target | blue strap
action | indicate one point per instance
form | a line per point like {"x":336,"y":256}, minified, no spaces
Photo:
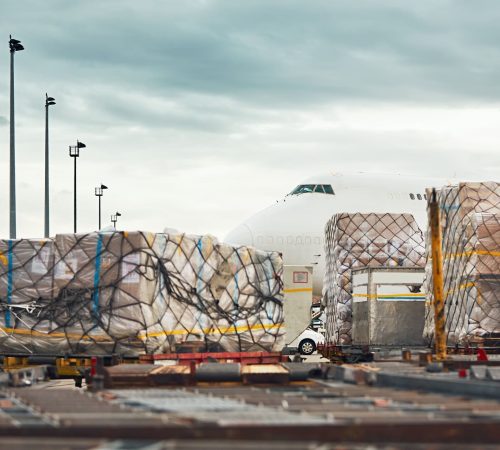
{"x":10,"y":279}
{"x":97,"y":274}
{"x":236,"y":290}
{"x":199,"y":284}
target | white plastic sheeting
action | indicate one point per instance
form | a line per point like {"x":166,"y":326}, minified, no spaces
{"x":470,"y":223}
{"x":136,"y":292}
{"x":363,"y":240}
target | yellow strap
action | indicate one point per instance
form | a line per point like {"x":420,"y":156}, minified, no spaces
{"x":421,"y":295}
{"x":472,"y":252}
{"x":141,"y":335}
{"x":225,"y":330}
{"x":288,"y":291}
{"x":27,"y":332}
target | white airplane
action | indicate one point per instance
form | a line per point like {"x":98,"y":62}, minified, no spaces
{"x":295,"y":225}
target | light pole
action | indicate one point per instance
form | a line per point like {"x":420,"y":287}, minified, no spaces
{"x":99,"y":191}
{"x":49,"y":101}
{"x":74,"y":152}
{"x":14,"y":46}
{"x":114,"y":218}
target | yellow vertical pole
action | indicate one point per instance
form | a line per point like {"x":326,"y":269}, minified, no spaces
{"x":437,"y":278}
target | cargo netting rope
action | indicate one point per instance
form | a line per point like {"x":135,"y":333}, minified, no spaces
{"x":363,"y":240}
{"x":470,"y":224}
{"x":137,"y":292}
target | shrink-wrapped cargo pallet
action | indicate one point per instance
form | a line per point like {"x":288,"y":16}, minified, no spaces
{"x":363,"y":240}
{"x":470,"y":224}
{"x":225,"y":295}
{"x":26,"y":282}
{"x":136,"y":292}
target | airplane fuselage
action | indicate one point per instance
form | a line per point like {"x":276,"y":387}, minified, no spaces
{"x":295,"y":225}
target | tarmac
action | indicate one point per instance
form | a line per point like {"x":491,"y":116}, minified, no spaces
{"x":379,"y":405}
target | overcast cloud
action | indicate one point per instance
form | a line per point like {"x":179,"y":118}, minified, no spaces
{"x":197,"y":113}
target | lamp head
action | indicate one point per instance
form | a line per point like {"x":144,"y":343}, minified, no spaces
{"x":15,"y":45}
{"x":49,"y":100}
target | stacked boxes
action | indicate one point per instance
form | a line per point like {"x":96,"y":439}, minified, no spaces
{"x":228,"y":296}
{"x":470,"y":223}
{"x":136,"y":292}
{"x":363,"y":240}
{"x":110,"y":291}
{"x":24,"y":265}
{"x":26,"y":283}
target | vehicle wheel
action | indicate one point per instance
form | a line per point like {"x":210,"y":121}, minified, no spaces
{"x":307,"y":347}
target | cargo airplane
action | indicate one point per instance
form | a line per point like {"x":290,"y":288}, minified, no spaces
{"x":295,"y":224}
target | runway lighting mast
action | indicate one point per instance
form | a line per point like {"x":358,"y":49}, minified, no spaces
{"x":74,"y":152}
{"x":14,"y":46}
{"x":49,"y":101}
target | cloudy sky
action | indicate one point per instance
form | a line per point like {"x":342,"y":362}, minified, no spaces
{"x":197,"y":113}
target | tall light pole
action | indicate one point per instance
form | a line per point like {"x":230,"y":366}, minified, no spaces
{"x":14,"y":46}
{"x":99,"y":191}
{"x":74,"y":152}
{"x":48,"y":102}
{"x":114,"y":218}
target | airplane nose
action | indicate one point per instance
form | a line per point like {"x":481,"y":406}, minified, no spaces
{"x":241,"y":235}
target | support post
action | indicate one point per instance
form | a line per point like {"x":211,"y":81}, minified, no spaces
{"x":74,"y":198}
{"x":47,"y":206}
{"x":12,"y":205}
{"x":437,"y":278}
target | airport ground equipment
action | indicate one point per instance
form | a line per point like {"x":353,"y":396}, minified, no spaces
{"x":388,"y":306}
{"x":297,"y":300}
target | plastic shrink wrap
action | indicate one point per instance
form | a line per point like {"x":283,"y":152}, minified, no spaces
{"x":136,"y":292}
{"x":363,"y":240}
{"x":470,"y":224}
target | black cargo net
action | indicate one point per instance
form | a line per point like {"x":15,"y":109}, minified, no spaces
{"x":363,"y":240}
{"x":470,"y":224}
{"x":137,"y":292}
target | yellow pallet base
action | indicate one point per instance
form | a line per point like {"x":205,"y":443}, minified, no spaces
{"x":64,"y":367}
{"x":72,"y":367}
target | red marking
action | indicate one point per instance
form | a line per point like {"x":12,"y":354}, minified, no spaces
{"x":93,"y":366}
{"x":223,"y":357}
{"x":462,"y":373}
{"x":482,"y":355}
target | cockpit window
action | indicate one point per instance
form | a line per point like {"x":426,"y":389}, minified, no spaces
{"x":317,"y":188}
{"x":303,"y":189}
{"x":328,"y":189}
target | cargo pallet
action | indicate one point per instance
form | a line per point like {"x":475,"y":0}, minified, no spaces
{"x":457,"y":358}
{"x":222,"y":357}
{"x":76,"y":366}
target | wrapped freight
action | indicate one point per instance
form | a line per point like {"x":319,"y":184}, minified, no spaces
{"x":26,"y":282}
{"x":470,"y":224}
{"x":363,"y":240}
{"x":136,"y":292}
